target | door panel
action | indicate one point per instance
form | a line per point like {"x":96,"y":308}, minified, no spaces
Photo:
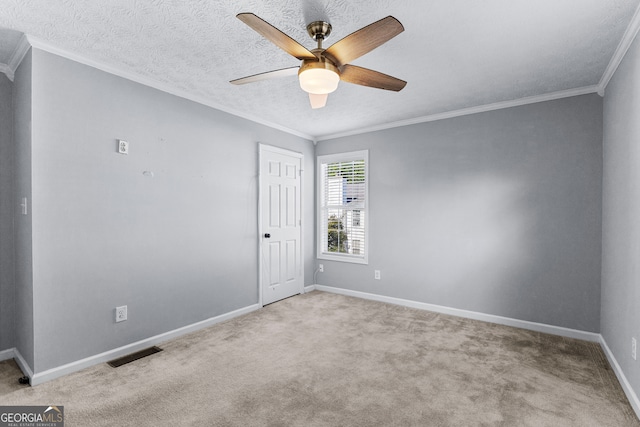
{"x":274,"y":206}
{"x":292,"y":217}
{"x":292,"y":262}
{"x":281,"y":227}
{"x":274,"y":168}
{"x":274,"y":263}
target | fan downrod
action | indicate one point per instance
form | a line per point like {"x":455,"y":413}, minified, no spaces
{"x":319,"y":30}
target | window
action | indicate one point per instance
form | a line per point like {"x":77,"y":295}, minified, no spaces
{"x":342,"y":203}
{"x":356,"y":218}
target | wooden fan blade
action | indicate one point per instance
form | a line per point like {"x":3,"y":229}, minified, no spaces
{"x":365,"y":77}
{"x":318,"y":101}
{"x":292,"y":71}
{"x":276,"y":36}
{"x":364,"y":40}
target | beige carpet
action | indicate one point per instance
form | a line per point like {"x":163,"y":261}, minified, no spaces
{"x":327,"y":360}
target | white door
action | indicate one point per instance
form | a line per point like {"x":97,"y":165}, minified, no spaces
{"x":280,"y":224}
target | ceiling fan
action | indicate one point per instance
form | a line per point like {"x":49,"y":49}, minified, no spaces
{"x":322,"y":69}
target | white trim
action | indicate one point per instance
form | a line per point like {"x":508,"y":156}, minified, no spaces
{"x":283,"y":151}
{"x":352,"y":259}
{"x":22,"y":364}
{"x":523,"y":324}
{"x":260,"y":225}
{"x":342,"y":157}
{"x":300,"y":156}
{"x":7,"y":354}
{"x":467,"y":111}
{"x":164,"y":87}
{"x":13,"y":353}
{"x":4,"y":68}
{"x":309,"y":288}
{"x":302,"y":223}
{"x":43,"y":45}
{"x":624,"y":45}
{"x":78,"y":365}
{"x":628,"y":390}
{"x":19,"y":53}
{"x":16,"y":58}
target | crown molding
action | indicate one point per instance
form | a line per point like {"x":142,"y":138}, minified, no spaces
{"x":624,"y":45}
{"x":19,"y":53}
{"x":626,"y":41}
{"x":467,"y":111}
{"x":16,"y":58}
{"x":4,"y":68}
{"x":150,"y":82}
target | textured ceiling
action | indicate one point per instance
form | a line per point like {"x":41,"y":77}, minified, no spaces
{"x":454,"y":54}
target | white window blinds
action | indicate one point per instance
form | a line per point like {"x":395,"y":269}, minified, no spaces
{"x":342,"y":191}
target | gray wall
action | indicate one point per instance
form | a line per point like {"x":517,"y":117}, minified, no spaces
{"x":23,"y":273}
{"x":620,"y":212}
{"x":498,"y":213}
{"x":7,"y":290}
{"x":177,"y":248}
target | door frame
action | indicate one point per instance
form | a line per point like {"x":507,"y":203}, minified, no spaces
{"x":262,"y":148}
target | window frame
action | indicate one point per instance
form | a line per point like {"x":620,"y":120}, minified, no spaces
{"x":320,"y":227}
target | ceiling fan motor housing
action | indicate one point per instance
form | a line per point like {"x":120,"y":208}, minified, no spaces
{"x":319,"y":30}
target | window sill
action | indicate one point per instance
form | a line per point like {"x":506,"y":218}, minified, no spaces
{"x":344,"y":258}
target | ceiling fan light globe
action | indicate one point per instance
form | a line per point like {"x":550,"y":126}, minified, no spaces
{"x":319,"y":81}
{"x":318,"y":77}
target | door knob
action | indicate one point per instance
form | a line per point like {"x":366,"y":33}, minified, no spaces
{"x":267,"y":235}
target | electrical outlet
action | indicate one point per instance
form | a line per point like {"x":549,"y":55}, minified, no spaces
{"x":633,"y":348}
{"x":321,"y":268}
{"x":376,"y":274}
{"x":123,"y":147}
{"x":121,"y":313}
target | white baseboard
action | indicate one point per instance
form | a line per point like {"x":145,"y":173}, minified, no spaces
{"x":14,"y":354}
{"x":7,"y":354}
{"x":22,"y":364}
{"x":631,"y":394}
{"x":78,"y":365}
{"x":523,"y":324}
{"x":50,"y":374}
